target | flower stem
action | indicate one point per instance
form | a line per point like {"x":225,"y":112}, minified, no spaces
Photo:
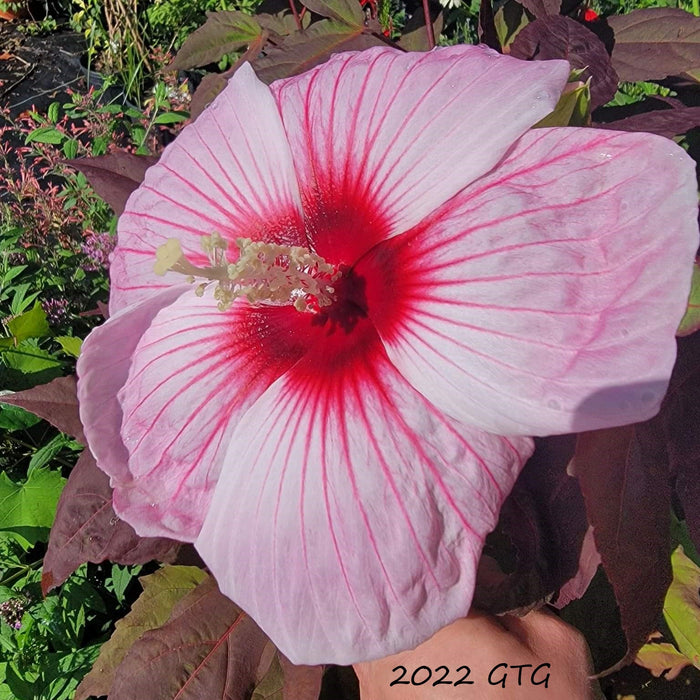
{"x":429,"y":24}
{"x":297,"y":19}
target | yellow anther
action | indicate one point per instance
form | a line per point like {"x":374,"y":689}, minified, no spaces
{"x":167,"y":256}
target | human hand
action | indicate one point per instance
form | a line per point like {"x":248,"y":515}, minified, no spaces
{"x":554,"y":657}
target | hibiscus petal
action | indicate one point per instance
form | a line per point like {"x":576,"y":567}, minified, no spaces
{"x":195,"y":372}
{"x":364,"y":131}
{"x":103,"y":366}
{"x":351,"y":514}
{"x":230,"y":172}
{"x":544,"y":298}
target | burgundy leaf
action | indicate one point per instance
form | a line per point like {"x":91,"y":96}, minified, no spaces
{"x":681,"y":416}
{"x":300,"y":682}
{"x":209,"y":649}
{"x":588,"y":564}
{"x":654,"y":43}
{"x":86,"y":529}
{"x":348,"y":11}
{"x":665,"y":122}
{"x":222,"y":33}
{"x":415,"y":36}
{"x":114,"y":176}
{"x":55,"y":402}
{"x":213,"y":83}
{"x":487,"y":26}
{"x":562,"y":37}
{"x":541,"y":8}
{"x":281,"y":24}
{"x":304,"y":50}
{"x":152,"y":609}
{"x":545,"y":521}
{"x":625,"y":484}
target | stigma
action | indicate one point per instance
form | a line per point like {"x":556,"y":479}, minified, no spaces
{"x":263,"y":273}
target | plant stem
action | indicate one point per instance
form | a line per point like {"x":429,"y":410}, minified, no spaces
{"x":25,"y":568}
{"x":696,"y":8}
{"x":297,"y":19}
{"x":429,"y":24}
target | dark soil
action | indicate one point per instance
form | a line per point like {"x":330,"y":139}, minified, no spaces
{"x":37,"y":70}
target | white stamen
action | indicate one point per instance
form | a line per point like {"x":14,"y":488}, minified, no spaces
{"x":265,"y":273}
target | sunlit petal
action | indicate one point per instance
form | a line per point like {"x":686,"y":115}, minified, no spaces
{"x":400,"y":133}
{"x":230,"y":172}
{"x":350,"y":514}
{"x":545,"y":297}
{"x":103,"y":366}
{"x":196,"y":370}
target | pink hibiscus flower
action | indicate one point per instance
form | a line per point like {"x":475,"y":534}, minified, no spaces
{"x":411,"y":274}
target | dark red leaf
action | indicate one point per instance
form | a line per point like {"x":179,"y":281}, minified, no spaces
{"x":55,"y":402}
{"x":209,"y":649}
{"x":222,"y":33}
{"x":304,"y":50}
{"x":665,"y":122}
{"x":281,"y":24}
{"x":348,"y":11}
{"x":654,"y":43}
{"x":114,"y":176}
{"x":86,"y":529}
{"x":588,"y":564}
{"x":415,"y":36}
{"x":213,"y":83}
{"x":562,"y":37}
{"x":681,"y":417}
{"x":541,"y":8}
{"x":487,"y":26}
{"x":544,"y":519}
{"x":624,"y":480}
{"x":300,"y":682}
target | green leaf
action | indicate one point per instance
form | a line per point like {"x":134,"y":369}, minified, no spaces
{"x":682,"y":605}
{"x":70,"y":344}
{"x":510,"y":18}
{"x":170,"y":118}
{"x":30,"y":324}
{"x":28,"y":359}
{"x":21,"y":300}
{"x":222,"y":33}
{"x":348,"y":11}
{"x":573,"y":108}
{"x":27,"y":510}
{"x":12,"y":273}
{"x":271,"y":686}
{"x":60,"y":673}
{"x":52,"y":112}
{"x":161,"y":591}
{"x":662,"y":658}
{"x":70,"y":149}
{"x":43,"y":456}
{"x":16,"y":418}
{"x":304,"y":50}
{"x":691,"y":321}
{"x":45,"y":134}
{"x":120,"y":579}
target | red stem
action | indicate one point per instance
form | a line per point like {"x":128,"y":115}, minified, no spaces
{"x":429,"y":25}
{"x":297,"y":19}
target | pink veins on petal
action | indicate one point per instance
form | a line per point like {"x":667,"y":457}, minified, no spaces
{"x":339,"y":459}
